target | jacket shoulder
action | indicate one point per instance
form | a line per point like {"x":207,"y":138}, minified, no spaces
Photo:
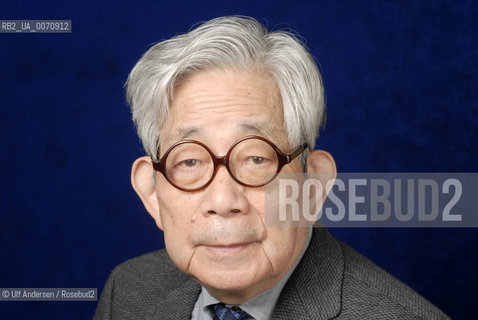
{"x":372,"y":293}
{"x":137,"y":286}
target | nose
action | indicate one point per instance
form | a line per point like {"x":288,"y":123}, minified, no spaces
{"x":224,"y":196}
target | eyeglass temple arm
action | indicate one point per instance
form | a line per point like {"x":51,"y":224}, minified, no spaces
{"x":294,"y":154}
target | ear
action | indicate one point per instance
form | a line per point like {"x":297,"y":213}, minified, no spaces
{"x":321,"y":164}
{"x":142,"y":174}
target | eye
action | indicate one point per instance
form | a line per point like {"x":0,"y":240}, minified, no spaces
{"x":189,"y":163}
{"x":257,"y":160}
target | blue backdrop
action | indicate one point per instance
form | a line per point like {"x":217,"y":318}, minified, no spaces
{"x":401,"y":83}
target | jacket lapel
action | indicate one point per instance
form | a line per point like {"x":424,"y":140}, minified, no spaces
{"x":314,"y":289}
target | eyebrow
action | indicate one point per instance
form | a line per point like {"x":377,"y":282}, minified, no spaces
{"x":261,"y":128}
{"x":183,"y":133}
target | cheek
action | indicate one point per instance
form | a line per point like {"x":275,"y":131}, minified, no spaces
{"x":280,"y":243}
{"x":177,"y":218}
{"x":256,"y":200}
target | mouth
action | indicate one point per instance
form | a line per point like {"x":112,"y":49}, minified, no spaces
{"x":228,"y":249}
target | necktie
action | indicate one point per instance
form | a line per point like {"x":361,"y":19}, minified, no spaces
{"x":221,"y":312}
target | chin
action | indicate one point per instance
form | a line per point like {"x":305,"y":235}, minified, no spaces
{"x":230,"y":278}
{"x":231,"y":281}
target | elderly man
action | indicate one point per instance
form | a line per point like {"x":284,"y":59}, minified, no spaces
{"x":220,"y":110}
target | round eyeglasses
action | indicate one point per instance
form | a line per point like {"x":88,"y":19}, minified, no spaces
{"x":252,"y":161}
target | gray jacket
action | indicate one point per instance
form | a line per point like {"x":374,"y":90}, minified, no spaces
{"x":331,"y":282}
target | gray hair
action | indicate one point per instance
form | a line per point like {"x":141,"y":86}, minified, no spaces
{"x":227,"y":42}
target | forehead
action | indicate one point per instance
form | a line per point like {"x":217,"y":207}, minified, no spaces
{"x":224,"y":103}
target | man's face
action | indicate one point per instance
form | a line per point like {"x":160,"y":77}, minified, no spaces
{"x":218,"y":234}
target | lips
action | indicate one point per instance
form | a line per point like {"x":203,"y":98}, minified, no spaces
{"x":228,"y":249}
